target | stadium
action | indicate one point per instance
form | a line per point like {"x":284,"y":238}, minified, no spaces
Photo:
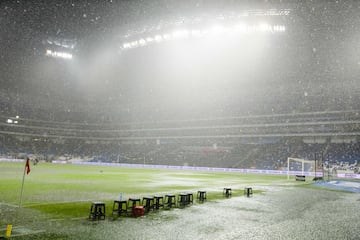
{"x":131,"y":99}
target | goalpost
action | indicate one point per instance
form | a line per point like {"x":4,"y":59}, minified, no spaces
{"x":310,"y":170}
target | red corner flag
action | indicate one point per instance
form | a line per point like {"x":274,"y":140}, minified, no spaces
{"x":27,"y":170}
{"x":27,"y":166}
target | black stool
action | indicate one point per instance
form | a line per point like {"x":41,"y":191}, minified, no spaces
{"x":227,"y":192}
{"x":248,"y":191}
{"x":132,"y":203}
{"x":201,"y":196}
{"x":158,"y":202}
{"x":119,"y":207}
{"x":190,"y":198}
{"x":148,"y":203}
{"x":170,"y":200}
{"x":97,"y":211}
{"x":182,"y":200}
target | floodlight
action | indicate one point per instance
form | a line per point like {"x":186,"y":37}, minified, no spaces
{"x":126,"y":45}
{"x":279,"y":28}
{"x":142,"y":42}
{"x":9,"y":121}
{"x":134,"y":44}
{"x":149,"y":39}
{"x":158,"y":38}
{"x":240,"y":28}
{"x":196,"y":33}
{"x":180,"y":34}
{"x":217,"y":29}
{"x":58,"y":54}
{"x":264,"y":27}
{"x":166,"y":36}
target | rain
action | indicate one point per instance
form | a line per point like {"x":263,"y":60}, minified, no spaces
{"x":188,"y":88}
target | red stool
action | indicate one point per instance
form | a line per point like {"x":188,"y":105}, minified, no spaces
{"x":138,"y":211}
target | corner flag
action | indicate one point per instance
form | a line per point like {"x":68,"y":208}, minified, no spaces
{"x":27,"y":171}
{"x":27,"y":166}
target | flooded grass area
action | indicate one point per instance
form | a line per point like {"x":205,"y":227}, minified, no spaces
{"x":277,"y":210}
{"x":348,"y":186}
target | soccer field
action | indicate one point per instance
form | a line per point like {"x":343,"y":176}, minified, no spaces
{"x":56,"y":199}
{"x":54,"y":184}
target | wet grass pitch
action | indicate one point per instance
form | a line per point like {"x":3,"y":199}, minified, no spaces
{"x":57,"y":198}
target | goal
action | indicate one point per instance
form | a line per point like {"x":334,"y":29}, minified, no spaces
{"x":299,"y":166}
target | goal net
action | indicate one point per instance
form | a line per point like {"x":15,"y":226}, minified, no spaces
{"x":303,"y":167}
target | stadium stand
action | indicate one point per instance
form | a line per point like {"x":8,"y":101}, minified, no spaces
{"x":254,"y":130}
